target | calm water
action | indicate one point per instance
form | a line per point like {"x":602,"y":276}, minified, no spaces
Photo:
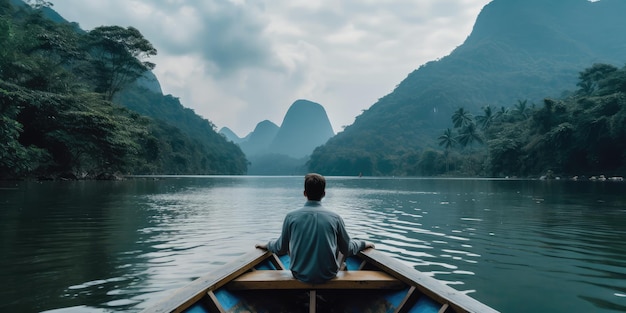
{"x":519,"y":246}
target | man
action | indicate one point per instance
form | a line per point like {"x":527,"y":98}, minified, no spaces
{"x":313,"y":236}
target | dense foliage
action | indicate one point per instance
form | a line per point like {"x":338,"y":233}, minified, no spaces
{"x":517,"y":50}
{"x":204,"y":151}
{"x":580,"y":135}
{"x":583,"y":134}
{"x":56,"y":119}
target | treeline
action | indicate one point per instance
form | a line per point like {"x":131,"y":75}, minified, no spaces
{"x":56,"y":114}
{"x":582,"y":134}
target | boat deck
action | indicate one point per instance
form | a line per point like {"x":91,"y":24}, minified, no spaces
{"x":370,"y":282}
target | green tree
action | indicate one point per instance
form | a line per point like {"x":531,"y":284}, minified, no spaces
{"x":468,"y":135}
{"x":36,"y":52}
{"x":14,"y":157}
{"x":5,"y":8}
{"x":51,"y":123}
{"x":521,"y":109}
{"x":447,"y":140}
{"x":588,"y":80}
{"x":501,"y":114}
{"x":462,"y":118}
{"x":6,"y":44}
{"x":544,"y":118}
{"x":504,"y":154}
{"x":487,"y":118}
{"x":429,"y":164}
{"x":119,"y":57}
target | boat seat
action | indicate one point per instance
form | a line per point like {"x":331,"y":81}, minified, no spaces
{"x":282,"y":279}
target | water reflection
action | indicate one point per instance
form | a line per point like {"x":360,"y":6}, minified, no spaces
{"x":119,"y":246}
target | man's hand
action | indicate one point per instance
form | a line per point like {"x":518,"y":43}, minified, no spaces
{"x":261,"y":246}
{"x":369,"y":245}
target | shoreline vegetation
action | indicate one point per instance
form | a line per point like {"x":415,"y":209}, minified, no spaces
{"x":65,"y":99}
{"x":582,"y":134}
{"x":120,"y":177}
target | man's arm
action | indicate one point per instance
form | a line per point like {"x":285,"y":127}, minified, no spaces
{"x":349,"y":246}
{"x":280,"y":245}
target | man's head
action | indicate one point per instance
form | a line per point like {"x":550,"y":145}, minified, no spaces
{"x":314,"y":186}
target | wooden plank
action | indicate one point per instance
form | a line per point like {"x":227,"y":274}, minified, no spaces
{"x":342,"y":260}
{"x":429,"y":286}
{"x":213,"y":303}
{"x":277,"y":263}
{"x":312,"y":301}
{"x":409,"y":300}
{"x":362,"y":265}
{"x":344,"y":280}
{"x":444,"y":308}
{"x":186,"y":296}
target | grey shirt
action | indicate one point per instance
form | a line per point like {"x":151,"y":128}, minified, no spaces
{"x":313,"y":236}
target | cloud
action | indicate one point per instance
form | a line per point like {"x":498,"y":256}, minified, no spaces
{"x":240,"y":62}
{"x":227,"y":35}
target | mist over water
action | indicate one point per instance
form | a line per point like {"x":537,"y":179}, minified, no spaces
{"x":518,"y":246}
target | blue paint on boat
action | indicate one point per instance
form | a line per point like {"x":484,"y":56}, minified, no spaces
{"x":395,"y":298}
{"x":226,"y":298}
{"x":353,"y":264}
{"x":286,"y":260}
{"x":425,"y":305}
{"x":229,"y":300}
{"x":265,"y":266}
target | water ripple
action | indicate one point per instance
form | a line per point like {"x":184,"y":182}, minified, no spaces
{"x":117,"y":247}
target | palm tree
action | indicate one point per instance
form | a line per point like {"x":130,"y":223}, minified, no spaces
{"x":500,"y":114}
{"x":486,"y":120}
{"x":468,"y":135}
{"x":448,"y":141}
{"x":521,"y":109}
{"x":462,"y":118}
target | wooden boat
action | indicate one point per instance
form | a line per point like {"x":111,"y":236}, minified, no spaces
{"x":370,"y":282}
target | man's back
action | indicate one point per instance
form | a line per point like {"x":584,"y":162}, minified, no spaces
{"x":313,"y":236}
{"x":313,"y":244}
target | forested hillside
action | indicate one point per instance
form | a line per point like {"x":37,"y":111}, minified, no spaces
{"x":517,"y":51}
{"x":56,"y":115}
{"x":582,"y":135}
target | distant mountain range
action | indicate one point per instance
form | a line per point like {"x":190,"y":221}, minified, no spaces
{"x":274,"y":150}
{"x":518,"y":50}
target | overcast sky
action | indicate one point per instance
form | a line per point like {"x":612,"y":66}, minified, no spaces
{"x":239,"y":62}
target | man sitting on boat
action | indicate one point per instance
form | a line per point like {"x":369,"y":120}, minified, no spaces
{"x":314,"y":236}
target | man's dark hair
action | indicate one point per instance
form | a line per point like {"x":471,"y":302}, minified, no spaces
{"x":314,"y":186}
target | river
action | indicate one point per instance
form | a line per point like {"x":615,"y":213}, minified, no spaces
{"x":117,"y":246}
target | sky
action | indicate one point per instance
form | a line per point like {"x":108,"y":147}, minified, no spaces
{"x":239,"y":62}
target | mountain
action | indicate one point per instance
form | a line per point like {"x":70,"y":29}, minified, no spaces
{"x":259,"y":140}
{"x":88,"y":135}
{"x":284,"y":150}
{"x":304,"y":127}
{"x":150,"y":82}
{"x":218,"y":155}
{"x":229,"y":134}
{"x":518,"y":50}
